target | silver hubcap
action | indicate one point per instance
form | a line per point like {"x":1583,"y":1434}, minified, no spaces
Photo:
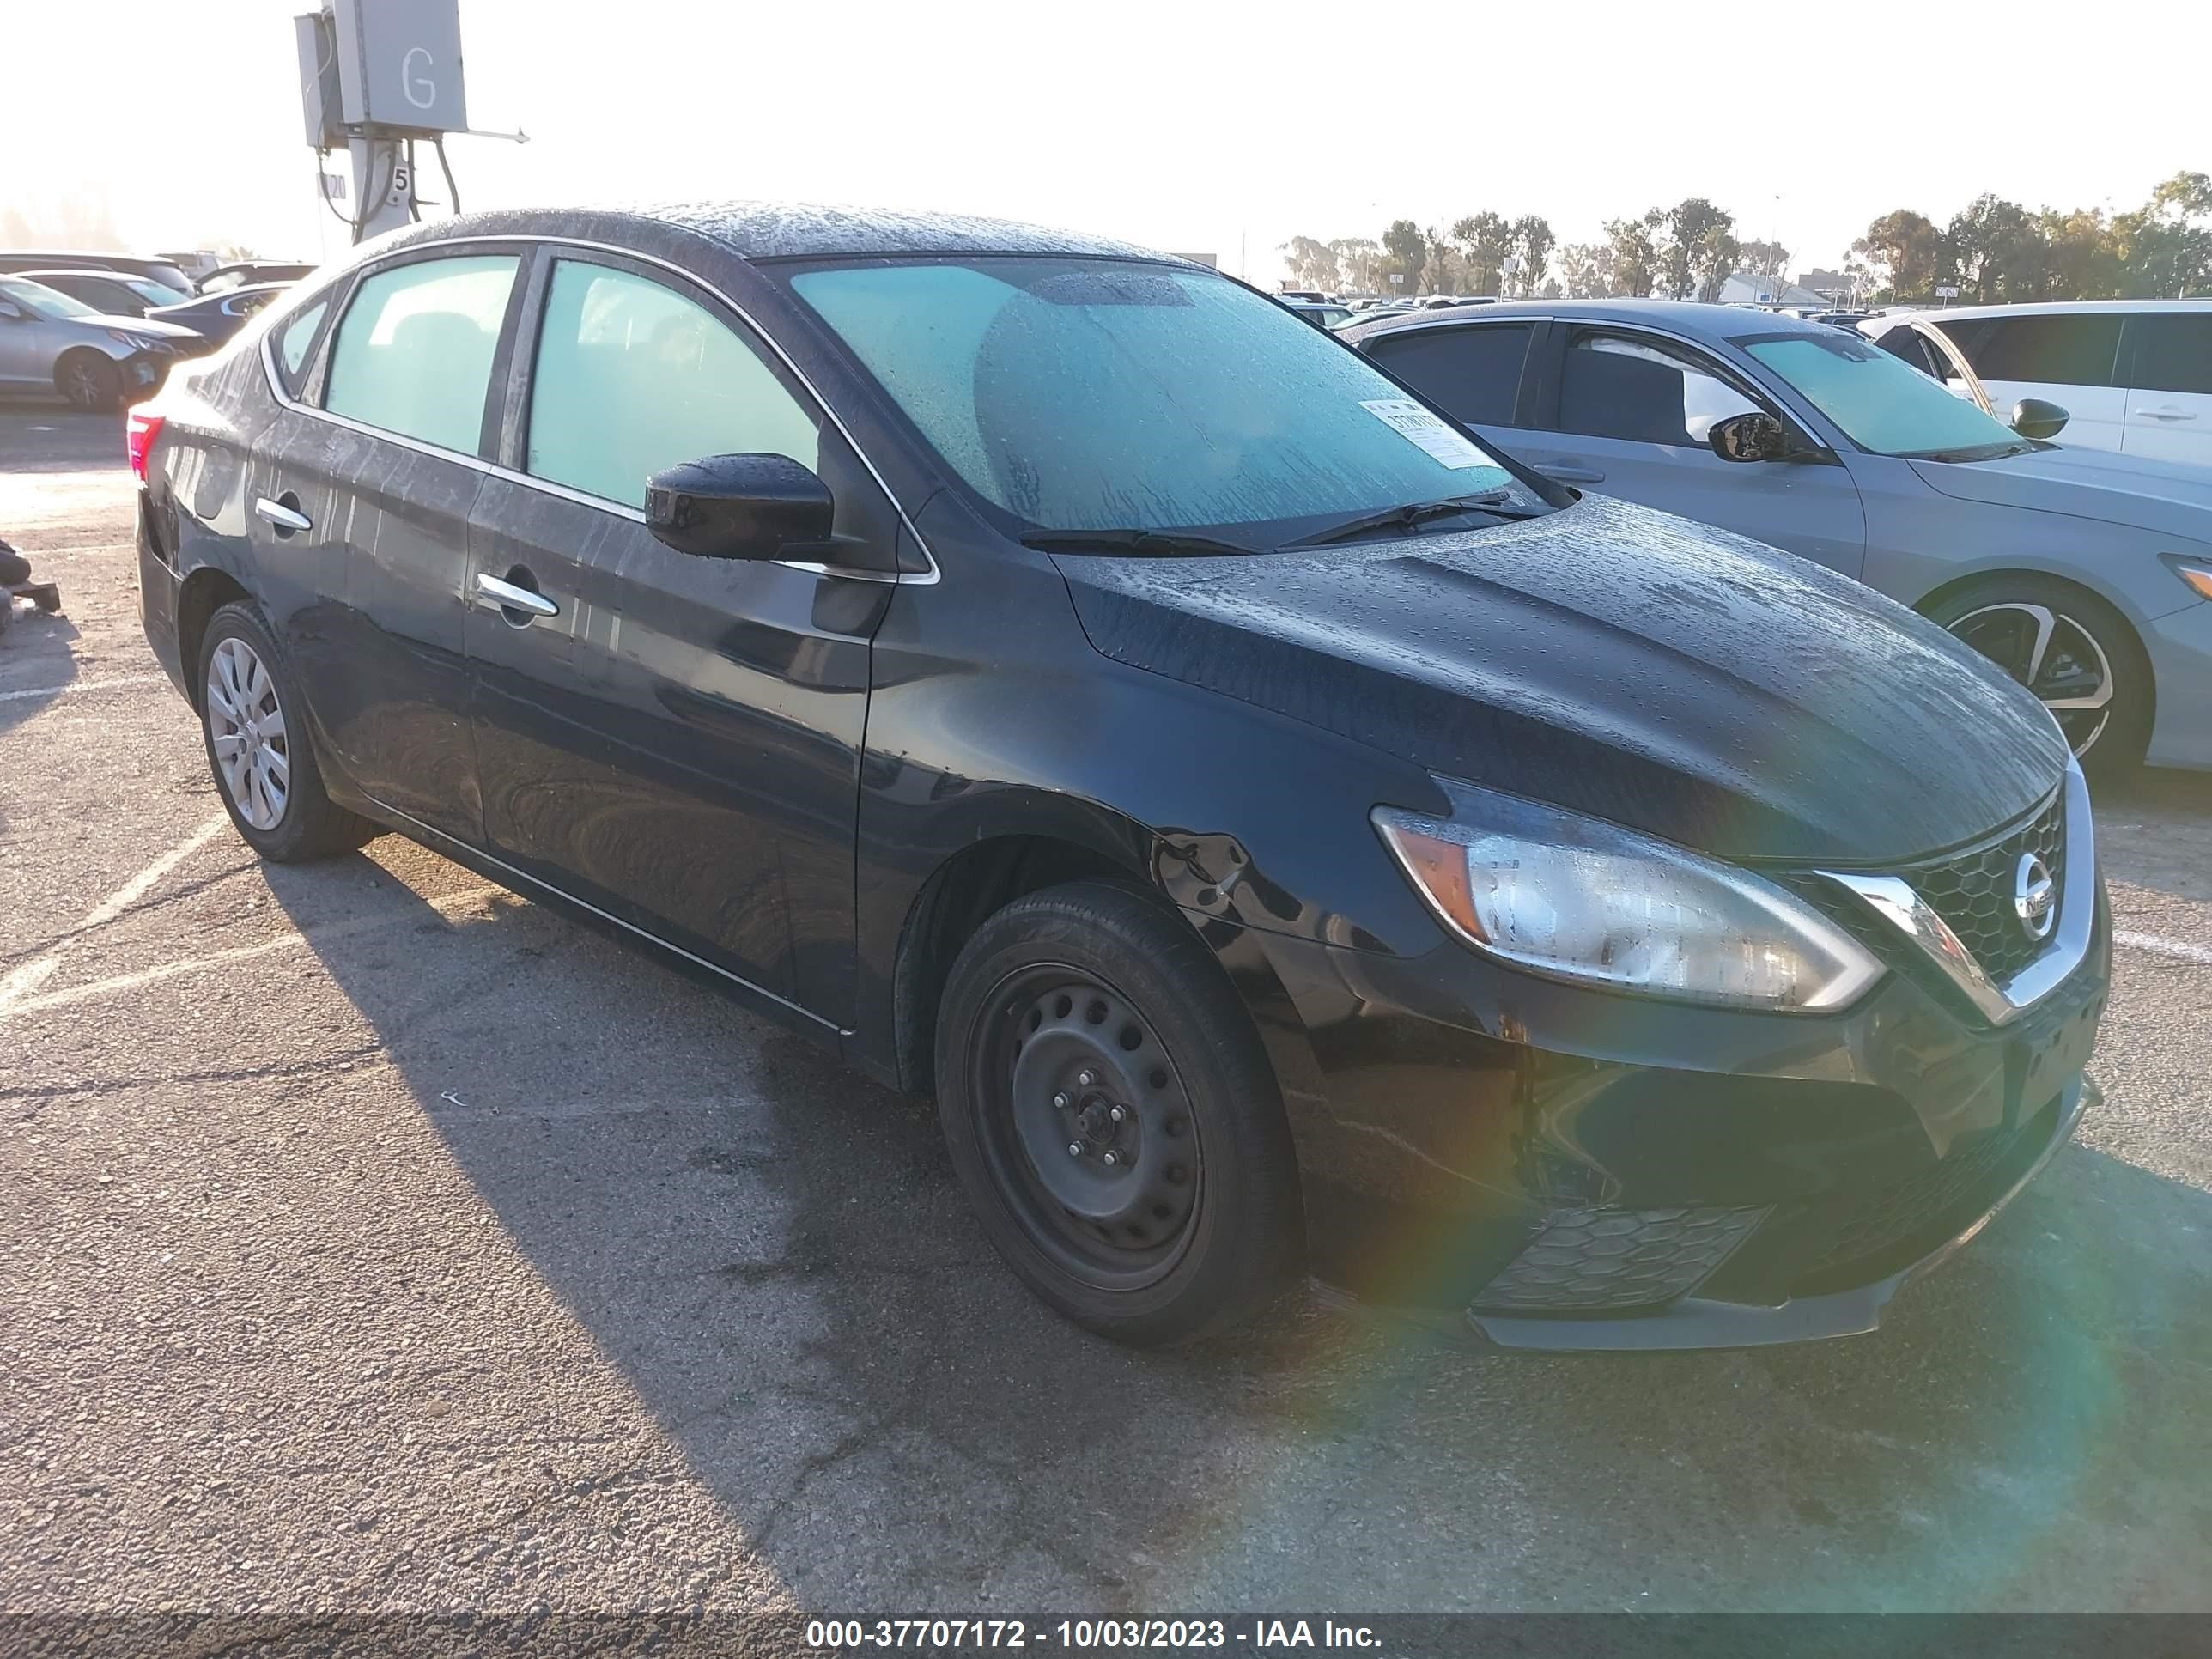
{"x":246,"y":726}
{"x":2052,"y":655}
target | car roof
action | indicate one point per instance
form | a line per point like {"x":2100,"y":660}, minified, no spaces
{"x":224,"y":295}
{"x":76,"y":271}
{"x":74,"y":259}
{"x":784,"y":230}
{"x":2043,"y":308}
{"x":1677,"y":316}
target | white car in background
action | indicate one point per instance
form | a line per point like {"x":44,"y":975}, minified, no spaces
{"x":2135,"y":375}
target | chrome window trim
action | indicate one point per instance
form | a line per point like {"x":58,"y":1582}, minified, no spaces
{"x":492,"y":469}
{"x":1893,"y":899}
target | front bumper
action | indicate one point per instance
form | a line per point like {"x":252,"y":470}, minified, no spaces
{"x":2180,"y":647}
{"x":145,"y":372}
{"x":1570,"y":1168}
{"x":1712,"y":1321}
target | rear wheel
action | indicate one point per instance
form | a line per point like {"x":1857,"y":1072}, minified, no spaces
{"x":90,"y":381}
{"x":1111,"y":1113}
{"x":2074,"y":652}
{"x":256,"y":746}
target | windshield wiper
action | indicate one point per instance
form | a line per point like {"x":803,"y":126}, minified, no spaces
{"x":1158,"y":543}
{"x":1975,"y":454}
{"x":1416,"y":512}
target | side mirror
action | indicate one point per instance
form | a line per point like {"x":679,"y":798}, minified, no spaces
{"x":12,"y":312}
{"x":2033,"y":418}
{"x":1753,"y":435}
{"x":739,"y":507}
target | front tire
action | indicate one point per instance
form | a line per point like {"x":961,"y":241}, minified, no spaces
{"x":254,"y":729}
{"x":1112,"y":1117}
{"x":2073,"y":651}
{"x":90,"y":382}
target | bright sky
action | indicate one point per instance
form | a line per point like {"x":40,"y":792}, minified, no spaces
{"x":1194,"y":125}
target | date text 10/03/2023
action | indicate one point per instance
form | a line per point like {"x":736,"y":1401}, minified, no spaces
{"x":1082,"y":1634}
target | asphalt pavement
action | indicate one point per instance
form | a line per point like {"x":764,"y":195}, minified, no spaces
{"x":375,"y":1240}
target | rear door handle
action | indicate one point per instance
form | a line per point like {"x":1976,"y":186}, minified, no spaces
{"x":1570,"y":474}
{"x":2167,"y":414}
{"x":285,"y":519}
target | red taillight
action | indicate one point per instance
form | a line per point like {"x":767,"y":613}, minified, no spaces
{"x":138,"y":435}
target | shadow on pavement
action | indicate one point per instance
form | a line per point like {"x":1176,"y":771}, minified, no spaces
{"x":776,"y":1255}
{"x":53,"y":437}
{"x":36,"y":657}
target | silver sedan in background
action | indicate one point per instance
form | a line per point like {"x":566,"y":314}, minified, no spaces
{"x":51,"y":342}
{"x":2087,"y":574}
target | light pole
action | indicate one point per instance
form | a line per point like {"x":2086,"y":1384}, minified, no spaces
{"x":1774,"y":246}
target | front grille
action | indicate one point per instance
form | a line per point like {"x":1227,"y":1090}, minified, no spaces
{"x":1973,"y":891}
{"x":1586,"y":1259}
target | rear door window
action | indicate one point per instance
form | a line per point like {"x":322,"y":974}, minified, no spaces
{"x":1474,"y":371}
{"x":2052,"y":351}
{"x":2173,"y":351}
{"x":414,"y":351}
{"x":632,"y":377}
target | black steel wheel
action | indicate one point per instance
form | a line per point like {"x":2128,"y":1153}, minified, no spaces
{"x":1087,"y":1124}
{"x":2073,"y":651}
{"x":1108,"y":1107}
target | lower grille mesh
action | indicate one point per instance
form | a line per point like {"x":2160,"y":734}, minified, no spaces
{"x":1588,"y":1259}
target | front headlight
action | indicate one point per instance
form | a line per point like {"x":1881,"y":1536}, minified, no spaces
{"x":136,"y":342}
{"x":1580,"y":899}
{"x":2198,"y":573}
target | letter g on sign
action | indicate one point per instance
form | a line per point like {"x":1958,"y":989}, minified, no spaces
{"x":415,"y":77}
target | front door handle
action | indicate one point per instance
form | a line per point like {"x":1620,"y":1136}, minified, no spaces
{"x":286,"y":519}
{"x":1572,"y":474}
{"x":507,"y":598}
{"x":2167,"y":414}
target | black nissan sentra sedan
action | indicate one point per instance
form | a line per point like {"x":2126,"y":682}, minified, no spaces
{"x":1286,"y":837}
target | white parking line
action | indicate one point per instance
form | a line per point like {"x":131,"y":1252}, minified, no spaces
{"x":39,"y":555}
{"x":2179,"y":949}
{"x":119,"y":984}
{"x":70,"y":688}
{"x":36,"y":972}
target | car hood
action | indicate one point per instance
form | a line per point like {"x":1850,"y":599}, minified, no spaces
{"x":1616,"y":661}
{"x":152,"y":328}
{"x":2165,"y":496}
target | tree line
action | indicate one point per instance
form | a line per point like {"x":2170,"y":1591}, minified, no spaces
{"x":1994,"y":250}
{"x":1991,"y":250}
{"x":1685,"y":251}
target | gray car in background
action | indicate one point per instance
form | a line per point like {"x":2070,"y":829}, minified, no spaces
{"x":2087,"y":574}
{"x":51,"y":342}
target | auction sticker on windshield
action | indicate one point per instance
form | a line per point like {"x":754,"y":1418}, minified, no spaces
{"x":1418,"y":426}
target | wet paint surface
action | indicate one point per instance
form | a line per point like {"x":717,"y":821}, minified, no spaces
{"x":1616,"y":661}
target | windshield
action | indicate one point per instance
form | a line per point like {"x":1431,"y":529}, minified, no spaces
{"x":1092,"y":395}
{"x":42,"y":300}
{"x":1882,"y":405}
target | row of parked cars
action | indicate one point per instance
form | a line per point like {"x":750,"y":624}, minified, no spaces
{"x":106,"y":329}
{"x":1300,"y":810}
{"x":2082,"y":568}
